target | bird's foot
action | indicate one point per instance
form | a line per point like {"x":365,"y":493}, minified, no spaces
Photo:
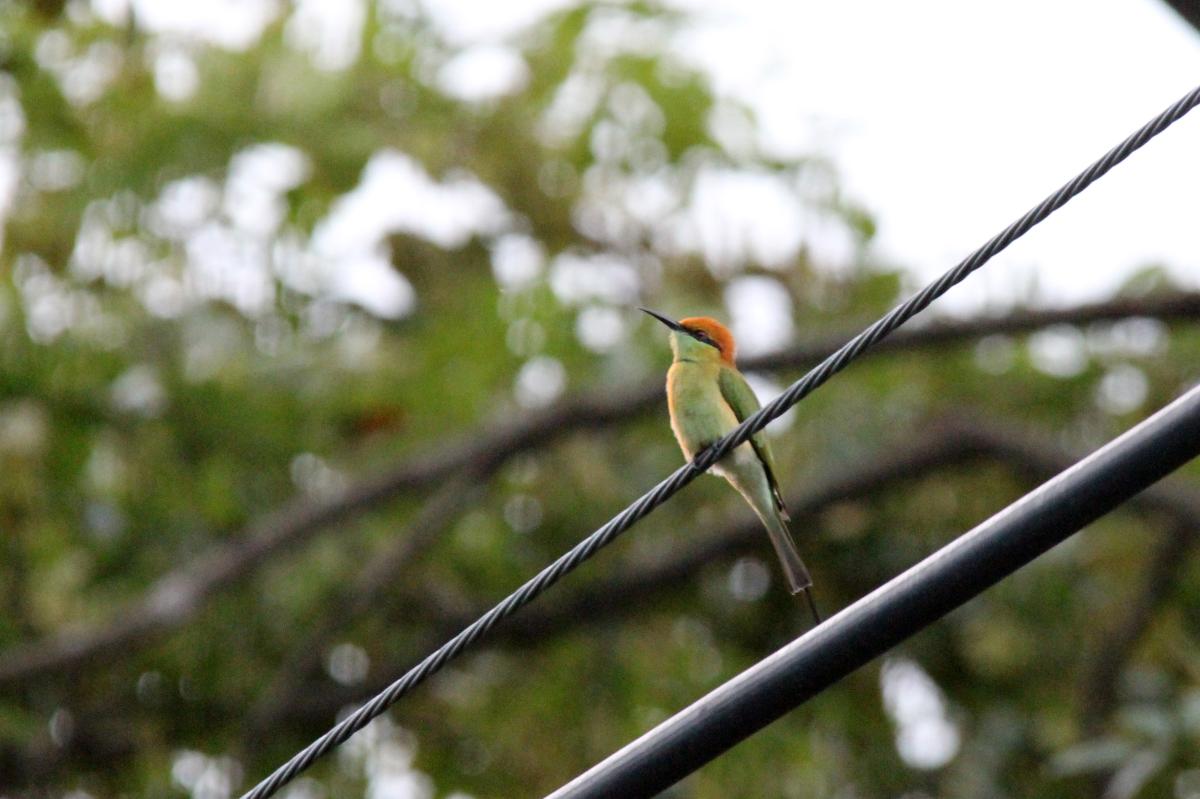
{"x":701,"y":453}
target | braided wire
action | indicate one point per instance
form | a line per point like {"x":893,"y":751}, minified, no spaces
{"x":685,"y":474}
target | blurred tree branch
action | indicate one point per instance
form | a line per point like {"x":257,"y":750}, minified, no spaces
{"x":949,"y":442}
{"x":360,"y":594}
{"x":178,"y":596}
{"x":611,"y":599}
{"x":605,"y":601}
{"x":1173,"y":307}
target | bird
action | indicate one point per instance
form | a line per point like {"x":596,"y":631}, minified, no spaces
{"x":707,"y":398}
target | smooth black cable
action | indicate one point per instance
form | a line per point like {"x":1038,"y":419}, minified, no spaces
{"x":899,"y":609}
{"x":685,"y":474}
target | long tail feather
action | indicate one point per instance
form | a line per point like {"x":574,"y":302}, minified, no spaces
{"x":750,"y":478}
{"x":794,"y":570}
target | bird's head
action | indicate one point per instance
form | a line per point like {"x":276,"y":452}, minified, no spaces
{"x":698,"y":338}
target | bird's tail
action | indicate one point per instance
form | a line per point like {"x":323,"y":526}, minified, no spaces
{"x":794,"y":570}
{"x":770,"y":510}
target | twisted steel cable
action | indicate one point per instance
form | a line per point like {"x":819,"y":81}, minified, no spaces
{"x":685,"y":474}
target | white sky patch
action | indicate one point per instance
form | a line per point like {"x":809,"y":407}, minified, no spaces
{"x":925,"y":736}
{"x":56,"y":170}
{"x":622,"y":208}
{"x":369,"y":280}
{"x":576,"y":278}
{"x":84,"y":76}
{"x":650,"y":198}
{"x":574,"y":101}
{"x":517,"y":260}
{"x":635,"y":109}
{"x":761,"y":311}
{"x":601,"y":328}
{"x":612,"y":31}
{"x":1060,"y":351}
{"x":139,"y":391}
{"x":734,"y":129}
{"x":397,"y":195}
{"x":348,"y":664}
{"x":228,"y":264}
{"x":827,"y":241}
{"x":466,"y":21}
{"x":50,"y":307}
{"x":176,"y":77}
{"x":956,"y":137}
{"x":540,"y":382}
{"x":99,"y":253}
{"x":383,"y":753}
{"x":1123,"y":389}
{"x":232,"y":24}
{"x":182,"y":206}
{"x":738,"y":216}
{"x":483,"y":72}
{"x":610,"y":142}
{"x":12,"y":116}
{"x":259,"y":176}
{"x":12,"y":129}
{"x":599,"y":215}
{"x":205,"y":777}
{"x":330,"y":31}
{"x":397,"y":784}
{"x":927,"y":147}
{"x":163,"y":296}
{"x":1136,"y":337}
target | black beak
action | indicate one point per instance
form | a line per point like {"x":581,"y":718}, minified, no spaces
{"x":668,"y":322}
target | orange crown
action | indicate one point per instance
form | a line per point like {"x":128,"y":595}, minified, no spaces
{"x":717,"y":332}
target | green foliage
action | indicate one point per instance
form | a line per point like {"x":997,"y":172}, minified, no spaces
{"x":172,"y":376}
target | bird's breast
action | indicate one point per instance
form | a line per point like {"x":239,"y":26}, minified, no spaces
{"x":699,"y":412}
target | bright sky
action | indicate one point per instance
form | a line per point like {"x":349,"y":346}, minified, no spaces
{"x":949,"y":120}
{"x":945,"y":120}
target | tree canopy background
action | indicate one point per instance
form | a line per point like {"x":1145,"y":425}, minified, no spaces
{"x":311,"y":354}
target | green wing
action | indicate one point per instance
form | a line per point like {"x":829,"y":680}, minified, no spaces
{"x":741,"y":399}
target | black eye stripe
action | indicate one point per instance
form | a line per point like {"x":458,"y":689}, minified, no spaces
{"x":702,"y":337}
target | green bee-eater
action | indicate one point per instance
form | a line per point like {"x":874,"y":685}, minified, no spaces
{"x":708,"y":398}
